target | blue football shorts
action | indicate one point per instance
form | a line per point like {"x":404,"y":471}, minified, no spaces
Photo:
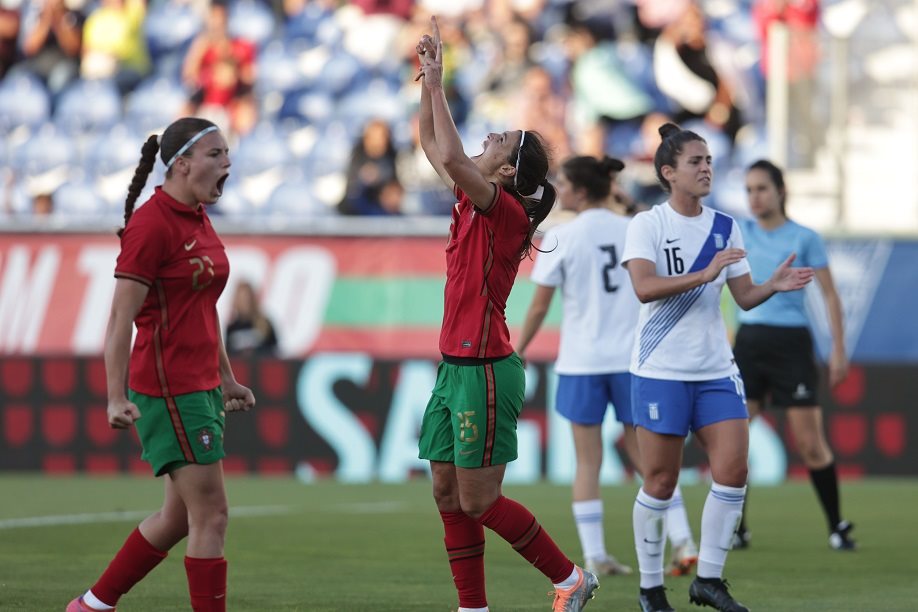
{"x":584,"y":398}
{"x":676,"y":407}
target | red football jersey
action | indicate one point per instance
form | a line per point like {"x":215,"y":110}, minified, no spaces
{"x":175,"y":252}
{"x":482,"y":259}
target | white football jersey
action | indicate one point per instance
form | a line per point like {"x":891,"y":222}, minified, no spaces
{"x":583,"y":258}
{"x":683,"y":337}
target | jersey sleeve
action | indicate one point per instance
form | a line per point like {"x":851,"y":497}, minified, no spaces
{"x":641,"y":239}
{"x":142,"y":252}
{"x":548,"y":269}
{"x":736,"y":242}
{"x":814,"y":254}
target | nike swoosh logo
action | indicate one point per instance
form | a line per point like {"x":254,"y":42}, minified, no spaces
{"x":468,"y":452}
{"x":652,"y":541}
{"x":190,"y":245}
{"x":673,"y":240}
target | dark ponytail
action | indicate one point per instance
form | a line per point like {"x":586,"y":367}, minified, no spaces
{"x":673,"y":139}
{"x":776,"y":176}
{"x":529,"y":185}
{"x":592,"y":175}
{"x":143,"y":170}
{"x":176,"y":136}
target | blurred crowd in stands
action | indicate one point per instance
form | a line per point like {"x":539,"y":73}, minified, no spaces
{"x":318,"y":96}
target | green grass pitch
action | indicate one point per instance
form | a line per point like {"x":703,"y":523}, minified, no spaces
{"x":333,"y":547}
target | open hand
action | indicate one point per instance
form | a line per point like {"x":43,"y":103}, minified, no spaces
{"x":786,"y":278}
{"x":720,"y":261}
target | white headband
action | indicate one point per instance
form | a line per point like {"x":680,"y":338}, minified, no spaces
{"x":189,"y":144}
{"x":519,"y":153}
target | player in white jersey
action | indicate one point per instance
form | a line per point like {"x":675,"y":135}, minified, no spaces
{"x":679,"y":255}
{"x":600,"y":312}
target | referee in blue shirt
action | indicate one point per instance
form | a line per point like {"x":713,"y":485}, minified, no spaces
{"x":774,"y":348}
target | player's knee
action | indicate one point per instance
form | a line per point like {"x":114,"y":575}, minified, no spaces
{"x":661,"y":484}
{"x":475,"y":506}
{"x":446,"y":495}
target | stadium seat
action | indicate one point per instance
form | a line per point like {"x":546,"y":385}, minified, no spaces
{"x":281,"y":70}
{"x":251,"y":20}
{"x":110,"y":161}
{"x":375,"y":99}
{"x":309,"y":23}
{"x":295,"y":200}
{"x":232,"y":204}
{"x":24,"y":101}
{"x":316,"y":108}
{"x":88,"y":106}
{"x":47,"y":150}
{"x":340,"y":74}
{"x":260,"y":163}
{"x":334,"y":151}
{"x":42,"y":164}
{"x":154,"y":104}
{"x":79,"y":199}
{"x":170,"y":27}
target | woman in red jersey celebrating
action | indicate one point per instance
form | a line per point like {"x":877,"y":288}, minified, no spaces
{"x":469,"y":427}
{"x":170,"y":273}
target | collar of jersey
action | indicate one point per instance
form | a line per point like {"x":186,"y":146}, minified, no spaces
{"x":176,"y":205}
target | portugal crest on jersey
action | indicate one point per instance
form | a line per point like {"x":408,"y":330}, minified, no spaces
{"x":206,"y":439}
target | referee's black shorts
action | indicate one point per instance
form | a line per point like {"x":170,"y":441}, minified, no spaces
{"x":777,"y":364}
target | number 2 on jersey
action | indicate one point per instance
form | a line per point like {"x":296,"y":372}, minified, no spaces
{"x":609,"y":268}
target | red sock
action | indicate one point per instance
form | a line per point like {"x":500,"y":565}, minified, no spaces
{"x":465,"y":543}
{"x":134,"y":561}
{"x":514,"y":523}
{"x":207,"y":584}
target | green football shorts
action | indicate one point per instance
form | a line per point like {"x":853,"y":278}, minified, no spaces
{"x":180,"y":430}
{"x":471,"y":417}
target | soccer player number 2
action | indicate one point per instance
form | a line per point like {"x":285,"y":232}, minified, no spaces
{"x":609,"y":268}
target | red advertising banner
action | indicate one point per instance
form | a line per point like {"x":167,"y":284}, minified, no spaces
{"x":356,"y":418}
{"x":379,"y":295}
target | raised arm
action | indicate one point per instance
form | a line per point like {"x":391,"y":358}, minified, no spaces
{"x":427,"y":46}
{"x":460,"y":169}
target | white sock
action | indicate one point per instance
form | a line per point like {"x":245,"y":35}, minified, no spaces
{"x":94,"y":602}
{"x":722,"y":512}
{"x":588,"y":516}
{"x":473,"y":610}
{"x":677,"y":525}
{"x":649,"y":519}
{"x":571,"y":580}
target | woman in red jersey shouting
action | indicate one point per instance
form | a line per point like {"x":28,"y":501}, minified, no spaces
{"x":170,"y":273}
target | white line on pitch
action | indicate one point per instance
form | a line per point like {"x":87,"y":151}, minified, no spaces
{"x":120,"y":516}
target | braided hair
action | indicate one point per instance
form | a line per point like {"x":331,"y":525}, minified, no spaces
{"x":176,"y":136}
